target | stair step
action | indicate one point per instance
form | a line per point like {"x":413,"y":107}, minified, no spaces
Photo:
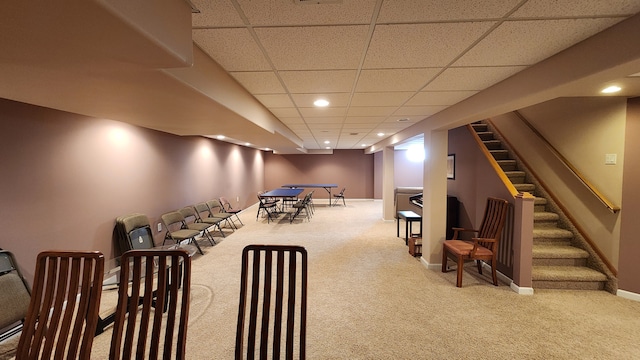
{"x":479,"y":127}
{"x":485,"y":135}
{"x":545,"y":219}
{"x":500,"y":154}
{"x":539,"y":204}
{"x":493,"y":144}
{"x":516,"y":177}
{"x":524,"y":187}
{"x":558,"y":255}
{"x":567,"y":277}
{"x":550,"y":235}
{"x":508,"y":165}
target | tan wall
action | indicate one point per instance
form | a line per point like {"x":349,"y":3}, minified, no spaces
{"x":583,"y":130}
{"x":66,"y":178}
{"x":352,"y":169}
{"x":407,"y":173}
{"x":629,"y":266}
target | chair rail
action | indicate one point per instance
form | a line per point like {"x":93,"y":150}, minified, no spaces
{"x":608,"y":204}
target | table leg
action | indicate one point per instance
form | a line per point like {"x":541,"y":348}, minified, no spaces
{"x":406,"y":231}
{"x":398,"y":226}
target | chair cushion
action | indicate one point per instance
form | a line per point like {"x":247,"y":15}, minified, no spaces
{"x":463,"y":248}
{"x":184,"y":234}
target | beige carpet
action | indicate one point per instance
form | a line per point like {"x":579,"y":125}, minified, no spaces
{"x":369,"y":299}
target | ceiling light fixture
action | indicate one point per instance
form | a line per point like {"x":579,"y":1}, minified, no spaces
{"x":321,"y":103}
{"x":247,"y":144}
{"x":327,"y":142}
{"x":220,"y":137}
{"x":611,"y":89}
{"x":380,"y":134}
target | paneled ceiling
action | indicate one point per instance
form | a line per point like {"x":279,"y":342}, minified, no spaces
{"x":384,"y":65}
{"x":251,"y":69}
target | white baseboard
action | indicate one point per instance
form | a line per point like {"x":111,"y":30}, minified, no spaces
{"x":521,"y":290}
{"x":628,"y":295}
{"x":434,"y":267}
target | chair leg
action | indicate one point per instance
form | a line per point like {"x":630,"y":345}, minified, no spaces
{"x":493,"y":272}
{"x":444,"y":259}
{"x":479,"y":263}
{"x":460,"y":269}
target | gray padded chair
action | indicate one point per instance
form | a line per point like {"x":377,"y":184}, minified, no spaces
{"x":191,"y":219}
{"x":204,"y":216}
{"x":177,"y":229}
{"x":217,"y":210}
{"x":14,"y":297}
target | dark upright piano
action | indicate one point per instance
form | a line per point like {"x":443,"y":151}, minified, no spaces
{"x":452,"y":211}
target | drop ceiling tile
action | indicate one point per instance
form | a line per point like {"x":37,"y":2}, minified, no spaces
{"x":314,"y":47}
{"x":371,"y":110}
{"x":443,"y":10}
{"x":275,"y":100}
{"x":439,"y":97}
{"x":335,"y":99}
{"x":528,"y":42}
{"x":421,"y":45}
{"x":394,"y":79}
{"x":564,"y":8}
{"x":423,"y":111}
{"x":380,"y":98}
{"x":299,"y":128}
{"x":292,"y":120}
{"x":471,"y":78}
{"x":324,"y":120}
{"x":290,"y":13}
{"x":215,"y":13}
{"x":364,"y":119}
{"x":233,"y":49}
{"x":323,"y":112}
{"x":325,"y":127}
{"x":312,"y":82}
{"x":285,"y":112}
{"x":263,"y":82}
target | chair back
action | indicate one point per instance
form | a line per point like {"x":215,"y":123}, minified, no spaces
{"x":226,"y":205}
{"x":202,"y":210}
{"x":153,"y":305}
{"x":189,"y":214}
{"x":215,"y":206}
{"x":173,"y":220}
{"x":495,"y":214}
{"x":63,"y":312}
{"x":14,"y":297}
{"x":270,"y":273}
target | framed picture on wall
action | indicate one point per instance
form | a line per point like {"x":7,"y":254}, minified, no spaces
{"x":451,"y":166}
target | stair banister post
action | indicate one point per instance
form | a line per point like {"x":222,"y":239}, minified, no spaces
{"x":523,"y":241}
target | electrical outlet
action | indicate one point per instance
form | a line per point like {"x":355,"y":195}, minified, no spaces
{"x":237,"y":198}
{"x":159,"y":227}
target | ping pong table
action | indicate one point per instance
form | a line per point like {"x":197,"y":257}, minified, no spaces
{"x":327,"y":187}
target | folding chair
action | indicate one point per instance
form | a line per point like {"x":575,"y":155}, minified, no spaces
{"x":14,"y":297}
{"x":204,"y":216}
{"x":266,"y":207}
{"x":216,"y":210}
{"x":226,"y":207}
{"x":191,"y":219}
{"x":134,"y":232}
{"x":177,"y":229}
{"x":339,"y":196}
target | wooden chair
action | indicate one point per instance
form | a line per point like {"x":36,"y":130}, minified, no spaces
{"x":482,"y":247}
{"x":153,"y":302}
{"x":267,"y":330}
{"x":63,"y":311}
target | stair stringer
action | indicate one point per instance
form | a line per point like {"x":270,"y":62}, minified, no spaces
{"x":593,"y":261}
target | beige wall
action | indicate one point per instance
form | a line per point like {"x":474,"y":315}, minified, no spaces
{"x":629,"y":266}
{"x":66,"y":177}
{"x":407,"y":173}
{"x":351,"y":169}
{"x":583,"y":130}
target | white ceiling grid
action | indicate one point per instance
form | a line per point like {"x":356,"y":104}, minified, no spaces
{"x":380,"y":61}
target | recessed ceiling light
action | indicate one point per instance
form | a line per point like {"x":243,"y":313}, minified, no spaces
{"x":327,"y":142}
{"x":328,"y":147}
{"x":220,"y":137}
{"x":611,"y":89}
{"x":267,"y":149}
{"x":403,"y":120}
{"x":380,"y":134}
{"x":363,"y":145}
{"x":321,"y":103}
{"x":247,"y":144}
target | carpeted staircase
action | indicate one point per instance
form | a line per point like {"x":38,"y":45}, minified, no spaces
{"x":558,"y":262}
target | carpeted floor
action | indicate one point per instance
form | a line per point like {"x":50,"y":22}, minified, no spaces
{"x":369,"y":299}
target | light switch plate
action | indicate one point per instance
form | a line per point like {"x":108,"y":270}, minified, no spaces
{"x":159,"y":227}
{"x":610,"y":159}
